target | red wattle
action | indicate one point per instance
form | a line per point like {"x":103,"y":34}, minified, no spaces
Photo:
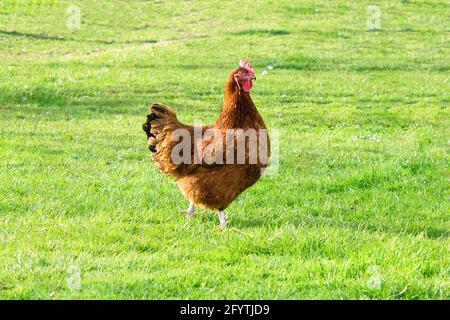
{"x":247,"y":85}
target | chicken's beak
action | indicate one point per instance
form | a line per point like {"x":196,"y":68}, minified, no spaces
{"x":253,"y":78}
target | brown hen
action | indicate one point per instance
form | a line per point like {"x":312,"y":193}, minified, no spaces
{"x":212,"y":164}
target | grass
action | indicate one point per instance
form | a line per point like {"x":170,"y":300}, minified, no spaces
{"x":358,"y":209}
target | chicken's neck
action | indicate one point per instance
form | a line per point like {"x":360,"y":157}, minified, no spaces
{"x":238,"y":110}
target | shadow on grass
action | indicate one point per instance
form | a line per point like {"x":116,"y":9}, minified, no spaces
{"x":41,"y":36}
{"x":361,"y":225}
{"x":72,"y":103}
{"x":261,"y":32}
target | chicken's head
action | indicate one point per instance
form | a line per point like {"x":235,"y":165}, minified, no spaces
{"x":244,"y":76}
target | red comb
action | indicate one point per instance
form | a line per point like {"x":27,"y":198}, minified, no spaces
{"x":244,"y":64}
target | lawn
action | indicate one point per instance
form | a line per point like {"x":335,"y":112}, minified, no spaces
{"x":359,"y":205}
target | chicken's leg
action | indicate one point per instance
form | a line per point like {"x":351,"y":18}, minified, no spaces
{"x":222,"y":219}
{"x":190,"y":210}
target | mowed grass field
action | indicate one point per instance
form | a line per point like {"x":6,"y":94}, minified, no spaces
{"x":359,"y":206}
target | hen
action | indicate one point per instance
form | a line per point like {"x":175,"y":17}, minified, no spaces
{"x":212,"y":164}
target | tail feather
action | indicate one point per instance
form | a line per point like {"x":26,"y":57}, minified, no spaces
{"x":160,"y":115}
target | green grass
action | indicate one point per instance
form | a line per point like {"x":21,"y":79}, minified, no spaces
{"x":362,"y":191}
